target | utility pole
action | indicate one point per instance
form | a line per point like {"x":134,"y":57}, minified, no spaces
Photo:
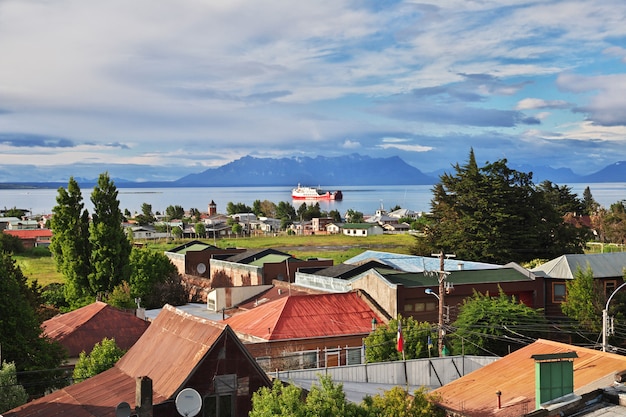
{"x":442,"y":292}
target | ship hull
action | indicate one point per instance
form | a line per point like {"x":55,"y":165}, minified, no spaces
{"x":309,"y":193}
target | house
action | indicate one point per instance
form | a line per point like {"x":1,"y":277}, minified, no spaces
{"x":192,"y":259}
{"x":81,"y":329}
{"x":334,"y":228}
{"x":362,"y":229}
{"x":258,"y":267}
{"x":530,"y":379}
{"x":319,"y":224}
{"x":400,"y":292}
{"x":178,"y":351}
{"x":31,"y":238}
{"x":608,"y":269}
{"x":308,"y":331}
{"x":230,"y":300}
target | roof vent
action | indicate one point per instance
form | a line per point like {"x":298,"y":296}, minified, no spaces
{"x":461,"y":266}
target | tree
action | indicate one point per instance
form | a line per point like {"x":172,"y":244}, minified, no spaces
{"x":495,"y":325}
{"x":146,"y":216}
{"x":103,"y":356}
{"x":21,"y":337}
{"x":495,"y":214}
{"x":561,"y":198}
{"x":110,"y":248}
{"x":153,"y":278}
{"x":354,"y":216}
{"x":175,"y":212}
{"x":279,"y":400}
{"x":397,"y":402}
{"x":11,"y":244}
{"x":585,"y":300}
{"x":589,"y":203}
{"x":236,"y":229}
{"x":380,"y":345}
{"x":335,"y":215}
{"x":12,"y":394}
{"x":325,"y":400}
{"x":328,"y":399}
{"x":70,"y":243}
{"x":286,"y":213}
{"x":236,"y":208}
{"x":200,"y":229}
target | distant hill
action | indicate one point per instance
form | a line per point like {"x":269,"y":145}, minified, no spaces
{"x":613,"y":173}
{"x":351,"y":169}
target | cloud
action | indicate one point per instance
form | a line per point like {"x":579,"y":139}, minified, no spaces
{"x":538,"y":103}
{"x":606,"y":105}
{"x":22,"y":140}
{"x":349,"y":144}
{"x":402,"y":144}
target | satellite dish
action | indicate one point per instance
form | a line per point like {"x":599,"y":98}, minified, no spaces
{"x":188,"y":402}
{"x":122,"y":409}
{"x":201,"y":268}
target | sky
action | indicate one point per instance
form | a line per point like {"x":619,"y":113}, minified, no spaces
{"x":157,"y":89}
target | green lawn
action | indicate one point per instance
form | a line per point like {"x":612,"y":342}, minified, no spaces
{"x":336,"y":247}
{"x":41,"y":268}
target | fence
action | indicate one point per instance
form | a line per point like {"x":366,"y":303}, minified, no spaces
{"x":428,"y":372}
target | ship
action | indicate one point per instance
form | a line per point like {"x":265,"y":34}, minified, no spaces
{"x":313,"y":193}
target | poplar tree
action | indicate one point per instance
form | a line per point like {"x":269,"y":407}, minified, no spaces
{"x":110,"y":248}
{"x":70,"y":241}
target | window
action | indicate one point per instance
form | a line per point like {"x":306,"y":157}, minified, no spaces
{"x":222,"y":404}
{"x":408,"y":307}
{"x":420,"y":306}
{"x":431,"y":306}
{"x":558,"y":292}
{"x":609,"y":288}
{"x":219,"y":406}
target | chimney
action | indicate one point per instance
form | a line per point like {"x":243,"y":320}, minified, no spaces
{"x":143,"y":396}
{"x":554,"y":376}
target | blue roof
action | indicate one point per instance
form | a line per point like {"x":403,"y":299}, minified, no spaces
{"x":412,"y":263}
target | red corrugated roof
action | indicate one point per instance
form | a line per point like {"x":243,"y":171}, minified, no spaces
{"x":168,"y":353}
{"x":81,"y":329}
{"x":514,"y":376}
{"x":30,"y":233}
{"x":306,"y":316}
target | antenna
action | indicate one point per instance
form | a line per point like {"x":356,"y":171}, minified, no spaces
{"x":201,"y":268}
{"x":188,"y":402}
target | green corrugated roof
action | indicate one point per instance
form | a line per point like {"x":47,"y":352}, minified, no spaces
{"x":271,"y":258}
{"x":194,"y":248}
{"x":413,"y":279}
{"x":359,"y":225}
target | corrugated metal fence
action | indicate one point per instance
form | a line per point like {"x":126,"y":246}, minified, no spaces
{"x":429,"y":372}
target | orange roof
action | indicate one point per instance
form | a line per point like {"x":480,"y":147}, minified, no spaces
{"x":81,"y":329}
{"x":514,"y":376}
{"x":306,"y":316}
{"x":29,"y":233}
{"x":168,"y":353}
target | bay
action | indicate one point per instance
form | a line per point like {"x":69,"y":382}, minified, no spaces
{"x":366,"y":199}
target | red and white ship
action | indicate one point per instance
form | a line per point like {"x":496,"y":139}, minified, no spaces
{"x":311,"y":193}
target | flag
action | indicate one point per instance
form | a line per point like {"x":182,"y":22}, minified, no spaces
{"x":430,"y":343}
{"x":400,"y":341}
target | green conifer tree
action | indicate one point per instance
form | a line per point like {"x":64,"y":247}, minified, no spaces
{"x":110,"y":247}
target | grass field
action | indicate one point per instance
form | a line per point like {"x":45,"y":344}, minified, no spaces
{"x":336,"y":247}
{"x":41,"y":268}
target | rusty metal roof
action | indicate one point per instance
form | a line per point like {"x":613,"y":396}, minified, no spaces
{"x":81,"y":329}
{"x":514,"y":376}
{"x":306,"y":316}
{"x":168,"y":353}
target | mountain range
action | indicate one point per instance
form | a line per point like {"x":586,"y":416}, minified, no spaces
{"x":353,"y":169}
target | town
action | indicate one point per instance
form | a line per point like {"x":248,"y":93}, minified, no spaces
{"x":224,"y":327}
